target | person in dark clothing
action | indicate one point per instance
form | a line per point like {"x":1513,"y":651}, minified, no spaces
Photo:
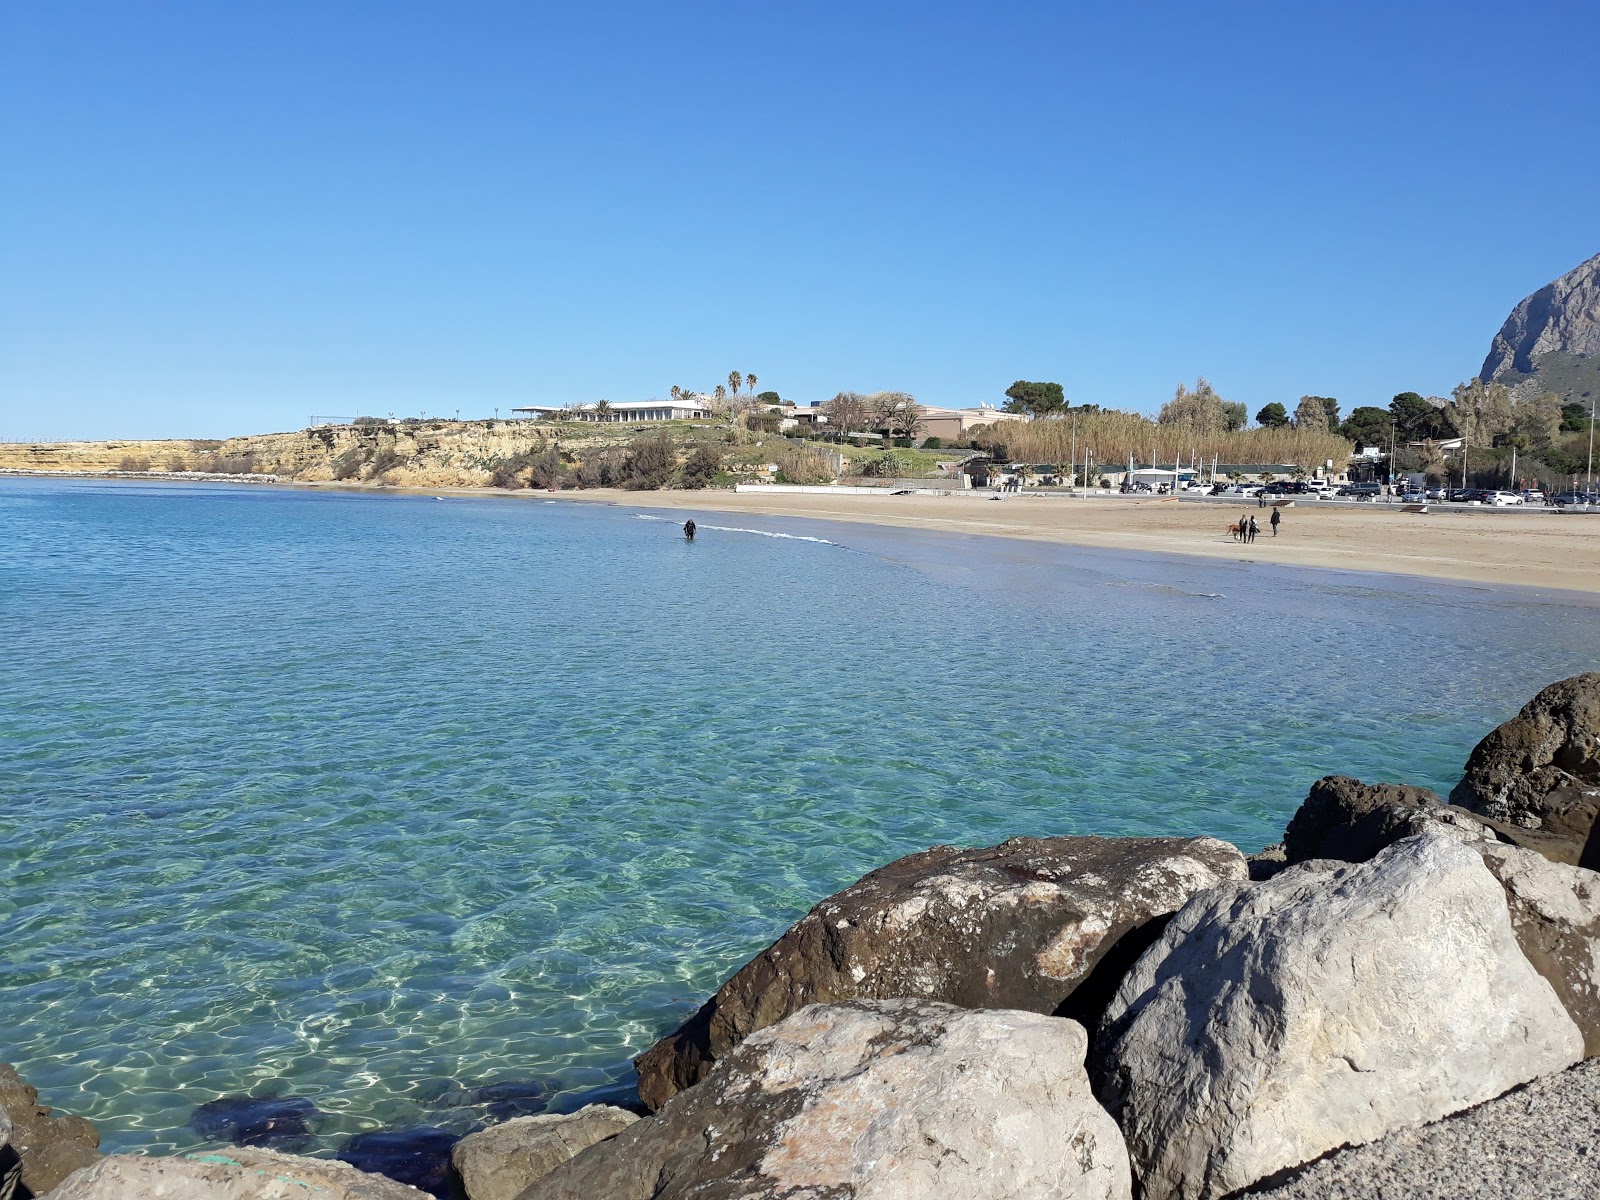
{"x":1244,"y":527}
{"x":1254,"y":529}
{"x":688,"y":530}
{"x":1277,"y":516}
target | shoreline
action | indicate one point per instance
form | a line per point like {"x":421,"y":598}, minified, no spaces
{"x":1497,"y":547}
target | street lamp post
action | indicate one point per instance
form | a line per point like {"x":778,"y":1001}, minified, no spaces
{"x":1590,"y":469}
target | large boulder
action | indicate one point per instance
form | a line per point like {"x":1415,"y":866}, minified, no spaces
{"x":1022,"y":925}
{"x":873,"y":1100}
{"x":242,"y":1174}
{"x":49,"y":1145}
{"x":500,"y":1162}
{"x":1541,"y":769}
{"x":1345,"y":819}
{"x":1273,"y":1022}
{"x":1555,"y":911}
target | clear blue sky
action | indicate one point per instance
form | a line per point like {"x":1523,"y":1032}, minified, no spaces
{"x":221,"y":218}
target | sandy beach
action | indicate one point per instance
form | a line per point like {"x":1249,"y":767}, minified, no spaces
{"x":1532,"y":549}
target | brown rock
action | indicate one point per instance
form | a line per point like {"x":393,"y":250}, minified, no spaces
{"x":1541,"y":770}
{"x":1046,"y":925}
{"x":1345,"y":819}
{"x":49,"y":1146}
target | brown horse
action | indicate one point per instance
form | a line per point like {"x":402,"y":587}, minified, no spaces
{"x":1234,"y":531}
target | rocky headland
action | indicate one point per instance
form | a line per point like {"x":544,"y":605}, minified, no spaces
{"x":1551,"y":340}
{"x":1397,"y":1001}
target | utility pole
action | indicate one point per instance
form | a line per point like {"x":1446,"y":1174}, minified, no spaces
{"x":1592,"y":400}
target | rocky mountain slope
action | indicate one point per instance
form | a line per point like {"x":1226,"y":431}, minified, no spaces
{"x":1551,"y":341}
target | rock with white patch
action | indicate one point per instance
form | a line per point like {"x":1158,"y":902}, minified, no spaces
{"x":873,"y":1100}
{"x":1041,"y":924}
{"x":1555,"y":911}
{"x":1273,"y":1022}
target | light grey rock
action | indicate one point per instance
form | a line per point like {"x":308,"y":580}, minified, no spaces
{"x":1273,"y":1022}
{"x":1540,"y":1142}
{"x":10,"y":1164}
{"x":873,"y":1100}
{"x":1045,"y":925}
{"x":500,"y":1162}
{"x":1541,"y":769}
{"x":49,"y":1145}
{"x":1555,"y":911}
{"x":235,"y":1174}
{"x":1563,"y":317}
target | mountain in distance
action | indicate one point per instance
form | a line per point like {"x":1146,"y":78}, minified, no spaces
{"x":1551,"y":341}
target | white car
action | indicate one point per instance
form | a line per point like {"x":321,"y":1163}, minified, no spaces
{"x":1243,"y":489}
{"x":1502,"y":499}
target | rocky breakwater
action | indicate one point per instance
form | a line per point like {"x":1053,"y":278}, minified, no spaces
{"x":1397,"y":960}
{"x":1087,"y":1017}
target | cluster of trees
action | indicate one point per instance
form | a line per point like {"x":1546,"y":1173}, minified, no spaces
{"x":729,"y":400}
{"x":892,"y":414}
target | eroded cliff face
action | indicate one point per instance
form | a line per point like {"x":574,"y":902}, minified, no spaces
{"x":1551,"y":341}
{"x":409,"y":453}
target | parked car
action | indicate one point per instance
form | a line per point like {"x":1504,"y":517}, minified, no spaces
{"x":1362,"y":491}
{"x":1567,"y":499}
{"x":1434,"y":493}
{"x":1532,"y":496}
{"x":1287,"y":487}
{"x":1243,"y":489}
{"x":1501,"y":499}
{"x":1415,"y":496}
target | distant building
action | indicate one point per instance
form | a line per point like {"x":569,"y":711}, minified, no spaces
{"x":953,"y":424}
{"x":627,"y":411}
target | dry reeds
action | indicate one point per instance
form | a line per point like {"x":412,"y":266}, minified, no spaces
{"x":1115,"y":436}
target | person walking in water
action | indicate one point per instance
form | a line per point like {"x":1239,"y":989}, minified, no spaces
{"x":1277,"y":516}
{"x":688,"y":530}
{"x":1254,"y":529}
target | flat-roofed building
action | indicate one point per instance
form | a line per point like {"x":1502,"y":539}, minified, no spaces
{"x":625,"y":411}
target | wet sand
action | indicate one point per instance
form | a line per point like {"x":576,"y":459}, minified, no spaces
{"x":1536,"y":548}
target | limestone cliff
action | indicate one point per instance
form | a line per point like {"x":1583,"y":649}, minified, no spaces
{"x":1551,"y":341}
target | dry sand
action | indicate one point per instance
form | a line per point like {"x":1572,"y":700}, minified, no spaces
{"x":1535,"y":548}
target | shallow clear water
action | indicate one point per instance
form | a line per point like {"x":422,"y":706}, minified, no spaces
{"x":351,"y":795}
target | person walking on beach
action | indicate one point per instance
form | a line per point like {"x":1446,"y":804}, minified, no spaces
{"x":1244,"y":527}
{"x":688,"y":530}
{"x":1277,"y":516}
{"x":1254,"y":529}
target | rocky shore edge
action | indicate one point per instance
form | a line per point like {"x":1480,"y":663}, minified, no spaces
{"x":1396,"y":1001}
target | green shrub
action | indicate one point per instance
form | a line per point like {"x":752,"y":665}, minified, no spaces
{"x":650,"y":462}
{"x":702,"y":467}
{"x":348,"y":465}
{"x":933,"y":443}
{"x":383,"y":462}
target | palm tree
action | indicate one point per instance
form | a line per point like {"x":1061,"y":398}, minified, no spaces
{"x":721,"y":394}
{"x":735,"y":381}
{"x":677,"y":392}
{"x":602,"y":411}
{"x":750,"y":384}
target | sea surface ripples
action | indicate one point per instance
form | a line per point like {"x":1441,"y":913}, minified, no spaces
{"x":378,"y":799}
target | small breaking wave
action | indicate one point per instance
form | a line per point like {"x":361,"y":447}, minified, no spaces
{"x":788,"y":537}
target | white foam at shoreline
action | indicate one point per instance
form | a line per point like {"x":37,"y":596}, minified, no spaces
{"x":788,"y":537}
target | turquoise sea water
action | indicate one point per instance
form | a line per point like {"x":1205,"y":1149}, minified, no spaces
{"x":367,"y":797}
